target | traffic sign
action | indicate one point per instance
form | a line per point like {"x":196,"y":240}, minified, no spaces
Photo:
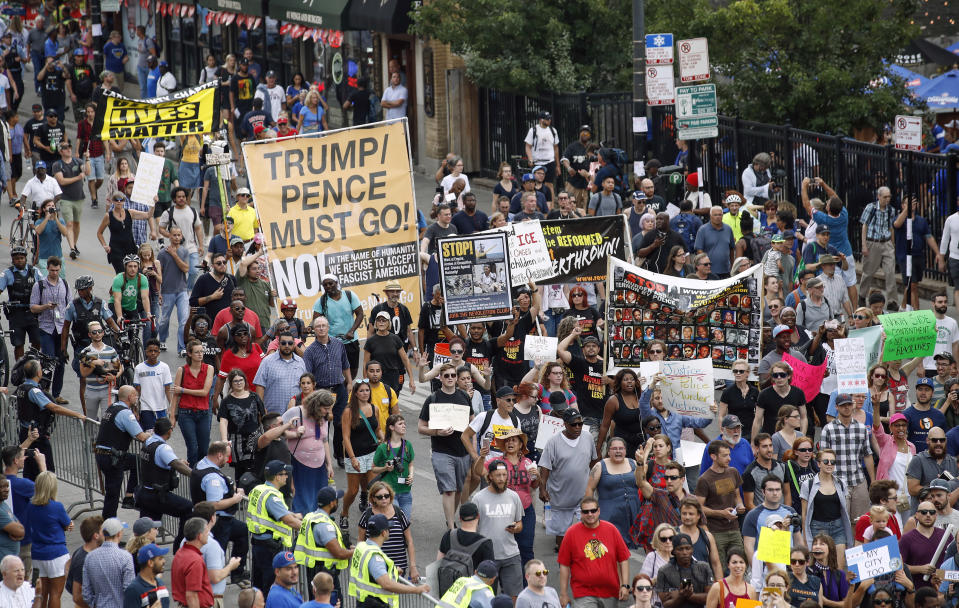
{"x":696,"y":100}
{"x":908,"y":133}
{"x":697,"y":123}
{"x":693,"y":60}
{"x":698,"y":133}
{"x":659,"y":85}
{"x":659,"y":49}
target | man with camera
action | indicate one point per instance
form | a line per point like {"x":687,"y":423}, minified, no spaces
{"x":118,"y":427}
{"x":213,"y":290}
{"x":655,"y":246}
{"x":683,"y":582}
{"x":758,"y":184}
{"x":50,"y":230}
{"x":772,"y":504}
{"x":99,"y":366}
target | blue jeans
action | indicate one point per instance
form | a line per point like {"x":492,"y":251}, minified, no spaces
{"x":50,"y":345}
{"x":194,"y":271}
{"x":526,"y":537}
{"x":181,"y":300}
{"x":405,"y":502}
{"x":552,"y":321}
{"x":195,"y":427}
{"x":308,"y":481}
{"x":142,"y":74}
{"x":148,"y":419}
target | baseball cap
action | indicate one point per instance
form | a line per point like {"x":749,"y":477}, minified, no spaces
{"x":468,"y":511}
{"x":527,"y":177}
{"x":148,"y":552}
{"x":275,"y":467}
{"x":40,"y":165}
{"x":558,"y":401}
{"x":164,"y":64}
{"x":52,"y":112}
{"x":946,"y":356}
{"x":76,"y":52}
{"x":234,"y":240}
{"x":771,"y":521}
{"x":571,"y":414}
{"x":241,"y":328}
{"x":843,"y":398}
{"x":487,"y":568}
{"x":112,"y":526}
{"x":590,"y":339}
{"x":258,"y":129}
{"x":504,"y":391}
{"x":393,"y":285}
{"x":731,"y":421}
{"x":778,"y":238}
{"x":377,"y":524}
{"x":328,"y":494}
{"x":789,"y":234}
{"x":822,"y":229}
{"x":144,"y":525}
{"x":781,"y":329}
{"x":282,"y":120}
{"x":939,"y":484}
{"x":244,"y":61}
{"x":496,"y":465}
{"x":539,"y":168}
{"x":245,"y":191}
{"x":897,"y":417}
{"x":37,"y":107}
{"x":814,"y":282}
{"x":545,"y":114}
{"x":283,"y":559}
{"x":383,"y":315}
{"x":681,"y":539}
{"x":639,"y":195}
{"x":925,"y":382}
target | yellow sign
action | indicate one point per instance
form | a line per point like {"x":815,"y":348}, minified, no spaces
{"x":341,"y":203}
{"x":745,"y":602}
{"x":774,"y":545}
{"x":188,"y":112}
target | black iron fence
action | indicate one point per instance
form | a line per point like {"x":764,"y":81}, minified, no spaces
{"x":854,"y":169}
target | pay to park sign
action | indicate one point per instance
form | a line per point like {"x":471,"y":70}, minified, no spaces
{"x":339,"y":202}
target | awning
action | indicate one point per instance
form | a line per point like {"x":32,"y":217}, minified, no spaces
{"x":242,"y":7}
{"x":326,"y":14}
{"x":384,"y":16}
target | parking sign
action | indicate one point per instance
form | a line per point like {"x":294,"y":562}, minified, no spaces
{"x":693,"y":60}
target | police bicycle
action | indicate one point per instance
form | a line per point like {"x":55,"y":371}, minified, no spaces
{"x":128,"y":343}
{"x":21,"y":231}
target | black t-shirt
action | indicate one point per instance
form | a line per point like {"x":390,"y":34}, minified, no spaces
{"x":361,"y":105}
{"x":656,"y":260}
{"x":243,"y":89}
{"x":435,"y":232}
{"x":586,"y":319}
{"x":743,"y":407}
{"x":464,"y":538}
{"x":205,"y":285}
{"x":655,"y":204}
{"x":770,"y":402}
{"x":510,"y":366}
{"x":450,"y":445}
{"x":588,"y":386}
{"x":468,"y":224}
{"x":385,"y":349}
{"x":480,"y":354}
{"x":400,"y":319}
{"x":575,"y":153}
{"x":31,"y":127}
{"x":51,"y":136}
{"x":431,"y":320}
{"x":54,"y":93}
{"x":81,"y":80}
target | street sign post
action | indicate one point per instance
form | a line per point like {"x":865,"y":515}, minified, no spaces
{"x":693,"y":60}
{"x":659,"y":85}
{"x":697,"y":112}
{"x":659,"y":49}
{"x":907,"y":132}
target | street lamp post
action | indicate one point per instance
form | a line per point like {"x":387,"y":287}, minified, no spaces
{"x":639,"y":75}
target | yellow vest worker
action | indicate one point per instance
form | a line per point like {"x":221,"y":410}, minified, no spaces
{"x":465,"y":590}
{"x":270,"y":522}
{"x":319,"y":546}
{"x":373,"y":578}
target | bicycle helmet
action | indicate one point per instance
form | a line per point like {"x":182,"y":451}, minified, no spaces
{"x":84,"y":281}
{"x":288,"y":304}
{"x":131,"y":258}
{"x":18,"y":250}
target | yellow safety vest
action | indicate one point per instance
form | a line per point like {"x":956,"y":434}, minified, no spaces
{"x":362,"y":585}
{"x":307,"y":552}
{"x":461,"y":592}
{"x":258,"y":520}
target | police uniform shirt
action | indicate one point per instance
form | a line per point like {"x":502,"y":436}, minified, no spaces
{"x":7,"y":279}
{"x":164,"y":454}
{"x":212,"y":484}
{"x":127,"y":422}
{"x":36,"y":395}
{"x":276,"y":509}
{"x":71,"y":312}
{"x":376,"y":567}
{"x":323,"y":533}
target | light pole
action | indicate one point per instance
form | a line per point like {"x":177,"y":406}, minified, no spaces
{"x":639,"y":75}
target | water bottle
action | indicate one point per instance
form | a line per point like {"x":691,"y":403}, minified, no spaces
{"x":547,"y":512}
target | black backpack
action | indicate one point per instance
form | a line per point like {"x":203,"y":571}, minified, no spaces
{"x":486,"y":422}
{"x":457,"y":562}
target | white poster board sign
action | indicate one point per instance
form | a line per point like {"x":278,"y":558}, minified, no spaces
{"x":540,"y":348}
{"x":146,"y":184}
{"x":449,"y":415}
{"x":549,"y":427}
{"x":850,"y":357}
{"x":529,"y":257}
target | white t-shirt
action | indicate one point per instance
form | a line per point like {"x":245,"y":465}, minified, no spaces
{"x":545,"y":139}
{"x":395,"y":94}
{"x":152,"y":381}
{"x":947,"y":334}
{"x":497,"y":426}
{"x":448,"y":181}
{"x":183,"y":218}
{"x":277,"y":99}
{"x":37,"y":191}
{"x":4,"y":85}
{"x":166,"y":84}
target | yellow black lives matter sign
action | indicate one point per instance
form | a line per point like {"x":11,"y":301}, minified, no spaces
{"x":191,"y":111}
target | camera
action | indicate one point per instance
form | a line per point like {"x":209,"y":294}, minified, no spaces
{"x":397,"y":463}
{"x":687,"y":582}
{"x":30,"y":452}
{"x":793,"y":521}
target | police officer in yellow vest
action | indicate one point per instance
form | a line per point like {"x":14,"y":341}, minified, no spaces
{"x":270,"y":522}
{"x":373,"y":577}
{"x":472,"y":591}
{"x":319,"y":545}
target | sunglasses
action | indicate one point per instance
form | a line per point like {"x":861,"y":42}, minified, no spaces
{"x":654,"y":429}
{"x":671,"y":477}
{"x":287,"y":343}
{"x":827,"y":462}
{"x":220,"y":263}
{"x":456,"y":352}
{"x":643,"y":588}
{"x":580,"y":423}
{"x":381,"y":496}
{"x":449,"y":375}
{"x":936,"y":439}
{"x":879,"y":375}
{"x":96,"y":331}
{"x":589,"y":511}
{"x":666,"y":539}
{"x":926,"y":511}
{"x":882,"y":601}
{"x":804,"y":450}
{"x":540,"y":572}
{"x":509,"y":399}
{"x":656,"y":352}
{"x":740,"y":371}
{"x":780,"y":375}
{"x":860,"y":317}
{"x":797,"y":562}
{"x":706,"y":264}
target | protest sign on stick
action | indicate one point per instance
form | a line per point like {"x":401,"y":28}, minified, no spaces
{"x":807,"y":377}
{"x":909,"y":334}
{"x":850,"y":357}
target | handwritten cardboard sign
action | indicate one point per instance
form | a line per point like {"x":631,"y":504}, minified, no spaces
{"x":807,"y":378}
{"x":909,"y":334}
{"x":872,"y":340}
{"x":873,"y":559}
{"x":540,"y":348}
{"x":773,"y":546}
{"x":850,"y":358}
{"x":449,"y":415}
{"x":549,"y":427}
{"x":688,"y":386}
{"x":529,"y":257}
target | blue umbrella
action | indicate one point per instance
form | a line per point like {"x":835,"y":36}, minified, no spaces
{"x":913,"y":80}
{"x":954,"y":48}
{"x":941,"y":93}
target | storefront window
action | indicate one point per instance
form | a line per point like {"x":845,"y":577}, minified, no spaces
{"x":339,"y":63}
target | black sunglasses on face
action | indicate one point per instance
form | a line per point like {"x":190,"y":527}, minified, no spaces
{"x":779,"y":375}
{"x":580,"y":423}
{"x":589,"y":511}
{"x":671,"y":477}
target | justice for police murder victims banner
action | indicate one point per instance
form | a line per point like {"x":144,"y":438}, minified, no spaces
{"x":718,"y":320}
{"x":475,"y":277}
{"x":338,"y":202}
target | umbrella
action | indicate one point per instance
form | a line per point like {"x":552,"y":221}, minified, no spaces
{"x":921,"y":50}
{"x":913,"y":80}
{"x":954,"y":48}
{"x":941,"y":93}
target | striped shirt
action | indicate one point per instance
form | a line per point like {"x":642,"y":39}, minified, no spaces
{"x":878,"y":222}
{"x":326,"y":362}
{"x":280,"y":379}
{"x":834,"y":290}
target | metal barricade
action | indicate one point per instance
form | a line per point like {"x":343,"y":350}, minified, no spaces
{"x":9,"y":426}
{"x":72,"y":441}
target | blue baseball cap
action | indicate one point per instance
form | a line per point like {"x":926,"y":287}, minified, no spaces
{"x":148,"y":552}
{"x":925,"y":382}
{"x":40,"y":165}
{"x":528,"y":177}
{"x":79,"y":52}
{"x":283,"y":559}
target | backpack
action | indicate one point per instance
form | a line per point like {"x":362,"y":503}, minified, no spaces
{"x":617,"y":158}
{"x":489,"y":418}
{"x":350,"y":298}
{"x":457,"y":562}
{"x":373,"y":115}
{"x":171,"y":222}
{"x":760,"y":244}
{"x":824,"y":299}
{"x":159,"y":47}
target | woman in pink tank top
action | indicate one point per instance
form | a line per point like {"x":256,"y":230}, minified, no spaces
{"x":727,"y":591}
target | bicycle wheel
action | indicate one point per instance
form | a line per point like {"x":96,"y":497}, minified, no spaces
{"x":4,"y":363}
{"x":17,"y":232}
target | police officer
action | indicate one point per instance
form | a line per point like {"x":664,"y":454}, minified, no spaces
{"x":117,"y":427}
{"x":461,"y":593}
{"x":270,"y":522}
{"x":158,"y":478}
{"x":84,"y":309}
{"x":208,"y":483}
{"x":18,"y":280}
{"x":36,"y":409}
{"x":373,"y":577}
{"x":319,"y":545}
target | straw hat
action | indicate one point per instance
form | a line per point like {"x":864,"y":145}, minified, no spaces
{"x":499,"y":443}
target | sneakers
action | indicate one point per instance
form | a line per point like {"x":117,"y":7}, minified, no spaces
{"x":94,"y":204}
{"x":61,"y":401}
{"x":364,"y":502}
{"x":182,"y":352}
{"x":345,"y":522}
{"x":74,"y":253}
{"x":162,"y":347}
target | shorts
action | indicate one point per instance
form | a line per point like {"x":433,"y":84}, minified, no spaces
{"x":98,"y":169}
{"x":450,"y":471}
{"x":954,"y":272}
{"x":366,"y":463}
{"x":20,"y":331}
{"x":590,"y":601}
{"x":71,"y":210}
{"x":190,"y":176}
{"x":52,"y":568}
{"x":834,"y":528}
{"x":561,"y":519}
{"x":215,"y":213}
{"x":550,"y":171}
{"x":509,"y":575}
{"x":918,"y":269}
{"x":849,"y":274}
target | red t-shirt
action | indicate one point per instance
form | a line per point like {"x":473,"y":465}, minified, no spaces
{"x":248,"y":366}
{"x":592,"y":554}
{"x":863,"y":522}
{"x":189,"y":573}
{"x":223,"y":317}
